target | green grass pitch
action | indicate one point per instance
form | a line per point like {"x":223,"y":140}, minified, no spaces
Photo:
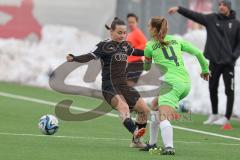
{"x":101,"y":138}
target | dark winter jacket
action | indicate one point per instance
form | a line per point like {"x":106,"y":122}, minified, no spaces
{"x":223,"y":35}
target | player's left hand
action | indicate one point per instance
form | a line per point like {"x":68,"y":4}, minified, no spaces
{"x":205,"y":76}
{"x":69,"y":58}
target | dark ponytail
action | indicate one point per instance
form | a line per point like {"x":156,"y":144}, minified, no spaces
{"x":115,"y":22}
{"x":107,"y":27}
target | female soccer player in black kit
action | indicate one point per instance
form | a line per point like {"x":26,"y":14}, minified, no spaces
{"x":113,"y":55}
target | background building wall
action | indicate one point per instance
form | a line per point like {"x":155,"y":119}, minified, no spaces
{"x":178,"y":24}
{"x":87,"y":15}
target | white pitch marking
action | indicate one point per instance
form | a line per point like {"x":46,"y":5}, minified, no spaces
{"x":105,"y":138}
{"x":108,"y":114}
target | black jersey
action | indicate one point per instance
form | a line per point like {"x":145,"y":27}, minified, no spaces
{"x":113,"y":58}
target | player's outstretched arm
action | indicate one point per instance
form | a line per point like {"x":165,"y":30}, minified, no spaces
{"x":81,"y":59}
{"x":191,"y":49}
{"x":195,"y":16}
{"x":137,"y":52}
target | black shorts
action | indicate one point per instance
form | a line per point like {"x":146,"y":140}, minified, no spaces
{"x":134,"y":71}
{"x":134,"y":76}
{"x":130,"y":94}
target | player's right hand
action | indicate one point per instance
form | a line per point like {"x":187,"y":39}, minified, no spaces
{"x":205,"y":76}
{"x":172,"y":10}
{"x":69,"y":58}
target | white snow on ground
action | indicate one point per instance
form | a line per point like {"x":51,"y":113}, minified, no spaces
{"x":31,"y":62}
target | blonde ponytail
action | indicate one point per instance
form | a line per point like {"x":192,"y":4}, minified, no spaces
{"x":161,"y":28}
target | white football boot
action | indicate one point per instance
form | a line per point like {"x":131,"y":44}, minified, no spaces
{"x":212,"y":118}
{"x":221,"y":121}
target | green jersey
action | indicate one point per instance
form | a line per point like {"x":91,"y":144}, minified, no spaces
{"x":170,"y":57}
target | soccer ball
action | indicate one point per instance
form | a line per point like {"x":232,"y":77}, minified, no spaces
{"x":184,"y":106}
{"x":48,"y":124}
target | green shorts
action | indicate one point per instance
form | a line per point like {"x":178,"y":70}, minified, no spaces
{"x":178,"y":92}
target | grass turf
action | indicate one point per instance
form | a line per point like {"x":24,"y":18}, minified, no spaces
{"x":100,"y":138}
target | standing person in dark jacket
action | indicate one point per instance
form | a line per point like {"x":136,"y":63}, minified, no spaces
{"x":222,"y":50}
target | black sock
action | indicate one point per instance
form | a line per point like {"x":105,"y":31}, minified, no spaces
{"x":140,"y":126}
{"x":129,"y":124}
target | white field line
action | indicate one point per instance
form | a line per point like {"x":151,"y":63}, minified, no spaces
{"x":18,"y":97}
{"x":106,"y":138}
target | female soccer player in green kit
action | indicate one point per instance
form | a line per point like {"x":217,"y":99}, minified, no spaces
{"x":166,"y":51}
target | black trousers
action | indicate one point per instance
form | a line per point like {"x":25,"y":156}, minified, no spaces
{"x":227,"y":71}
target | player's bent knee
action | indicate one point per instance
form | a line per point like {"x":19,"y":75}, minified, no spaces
{"x":166,"y":113}
{"x":154,"y":108}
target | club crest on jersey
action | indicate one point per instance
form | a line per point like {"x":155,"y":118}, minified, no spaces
{"x":120,"y":57}
{"x":111,"y":47}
